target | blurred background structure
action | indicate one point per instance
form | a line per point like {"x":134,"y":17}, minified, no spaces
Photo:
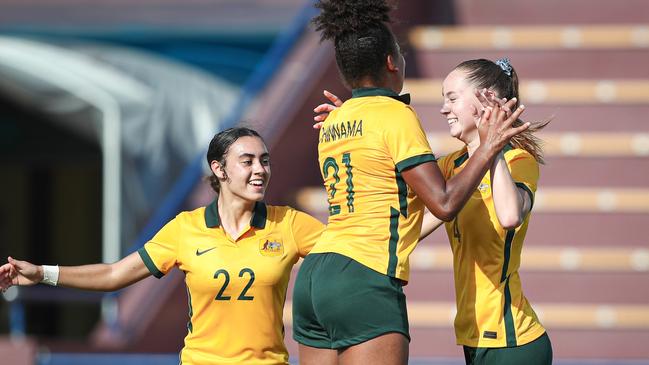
{"x":107,"y":107}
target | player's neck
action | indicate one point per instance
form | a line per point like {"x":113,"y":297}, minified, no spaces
{"x":235,"y":214}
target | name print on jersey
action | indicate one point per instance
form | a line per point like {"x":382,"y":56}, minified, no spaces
{"x":342,"y":130}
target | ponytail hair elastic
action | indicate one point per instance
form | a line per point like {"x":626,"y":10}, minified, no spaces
{"x":505,"y":66}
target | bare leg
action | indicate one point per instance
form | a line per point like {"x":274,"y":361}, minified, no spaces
{"x":388,"y":349}
{"x":315,"y":356}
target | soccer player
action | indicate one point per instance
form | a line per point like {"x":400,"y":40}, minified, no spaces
{"x":236,"y":253}
{"x":489,"y":231}
{"x":495,"y":323}
{"x":379,"y":172}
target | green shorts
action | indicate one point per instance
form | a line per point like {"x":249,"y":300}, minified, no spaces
{"x":537,"y":352}
{"x":337,"y":303}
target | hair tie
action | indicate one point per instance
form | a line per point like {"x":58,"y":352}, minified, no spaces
{"x":505,"y":66}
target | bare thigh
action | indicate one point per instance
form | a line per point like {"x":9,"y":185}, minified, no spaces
{"x":315,"y":356}
{"x":388,"y":349}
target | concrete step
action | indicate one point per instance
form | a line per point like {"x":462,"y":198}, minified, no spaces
{"x":526,"y":37}
{"x":565,"y":118}
{"x":434,"y":345}
{"x":546,"y":200}
{"x":557,"y":91}
{"x":548,"y":258}
{"x":560,"y":286}
{"x":528,"y":12}
{"x":589,"y":229}
{"x":597,"y":345}
{"x":603,"y":171}
{"x":539,"y":63}
{"x":553,"y":315}
{"x":578,"y":144}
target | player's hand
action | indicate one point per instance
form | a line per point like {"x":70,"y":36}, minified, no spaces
{"x":17,"y":272}
{"x":488,"y":99}
{"x":495,"y":126}
{"x":322,"y":111}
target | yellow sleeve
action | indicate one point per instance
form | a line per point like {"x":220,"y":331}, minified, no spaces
{"x":405,"y":139}
{"x":160,"y":254}
{"x":306,"y":230}
{"x":524,"y":170}
{"x":443,"y":163}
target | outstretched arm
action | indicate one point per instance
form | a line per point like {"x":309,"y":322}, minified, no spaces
{"x":98,"y":277}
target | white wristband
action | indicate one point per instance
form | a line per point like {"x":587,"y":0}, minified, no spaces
{"x":50,"y":275}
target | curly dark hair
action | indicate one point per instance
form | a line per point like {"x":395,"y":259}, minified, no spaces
{"x":361,"y":37}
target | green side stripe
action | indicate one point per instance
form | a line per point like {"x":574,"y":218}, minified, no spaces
{"x":190,"y":326}
{"x":508,"y":248}
{"x":510,"y":331}
{"x":531,"y":194}
{"x":394,"y":238}
{"x":149,"y":263}
{"x":414,"y":161}
{"x":403,"y":194}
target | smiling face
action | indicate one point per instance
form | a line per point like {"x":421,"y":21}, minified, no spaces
{"x":460,"y":106}
{"x":247,"y":169}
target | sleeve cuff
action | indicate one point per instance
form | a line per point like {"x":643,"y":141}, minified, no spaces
{"x":414,"y":161}
{"x":149,"y":263}
{"x":527,"y":189}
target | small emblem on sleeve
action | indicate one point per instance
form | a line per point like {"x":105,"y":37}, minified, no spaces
{"x":490,"y":334}
{"x":271,"y":247}
{"x":483,"y":187}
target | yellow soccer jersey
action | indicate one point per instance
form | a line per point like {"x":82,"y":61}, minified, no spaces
{"x":374,"y":217}
{"x":491,"y":308}
{"x":236,"y":288}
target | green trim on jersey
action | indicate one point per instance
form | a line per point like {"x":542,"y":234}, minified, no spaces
{"x":508,"y":249}
{"x":190,"y":326}
{"x":379,"y":91}
{"x":510,"y":331}
{"x":403,"y":194}
{"x":414,"y":161}
{"x":148,"y":262}
{"x":392,"y":243}
{"x":529,"y":192}
{"x":258,"y":219}
{"x":460,"y":160}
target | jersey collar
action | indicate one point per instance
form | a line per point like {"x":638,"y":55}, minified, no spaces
{"x":379,"y":91}
{"x":465,"y":156}
{"x":258,"y":219}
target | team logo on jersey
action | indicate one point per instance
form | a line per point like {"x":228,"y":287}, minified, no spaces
{"x":483,"y":187}
{"x":271,"y":247}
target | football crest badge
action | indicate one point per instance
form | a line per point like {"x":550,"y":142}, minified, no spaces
{"x":271,"y":247}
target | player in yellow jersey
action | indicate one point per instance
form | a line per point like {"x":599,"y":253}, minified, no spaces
{"x":236,"y":253}
{"x":495,"y":323}
{"x":379,"y":172}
